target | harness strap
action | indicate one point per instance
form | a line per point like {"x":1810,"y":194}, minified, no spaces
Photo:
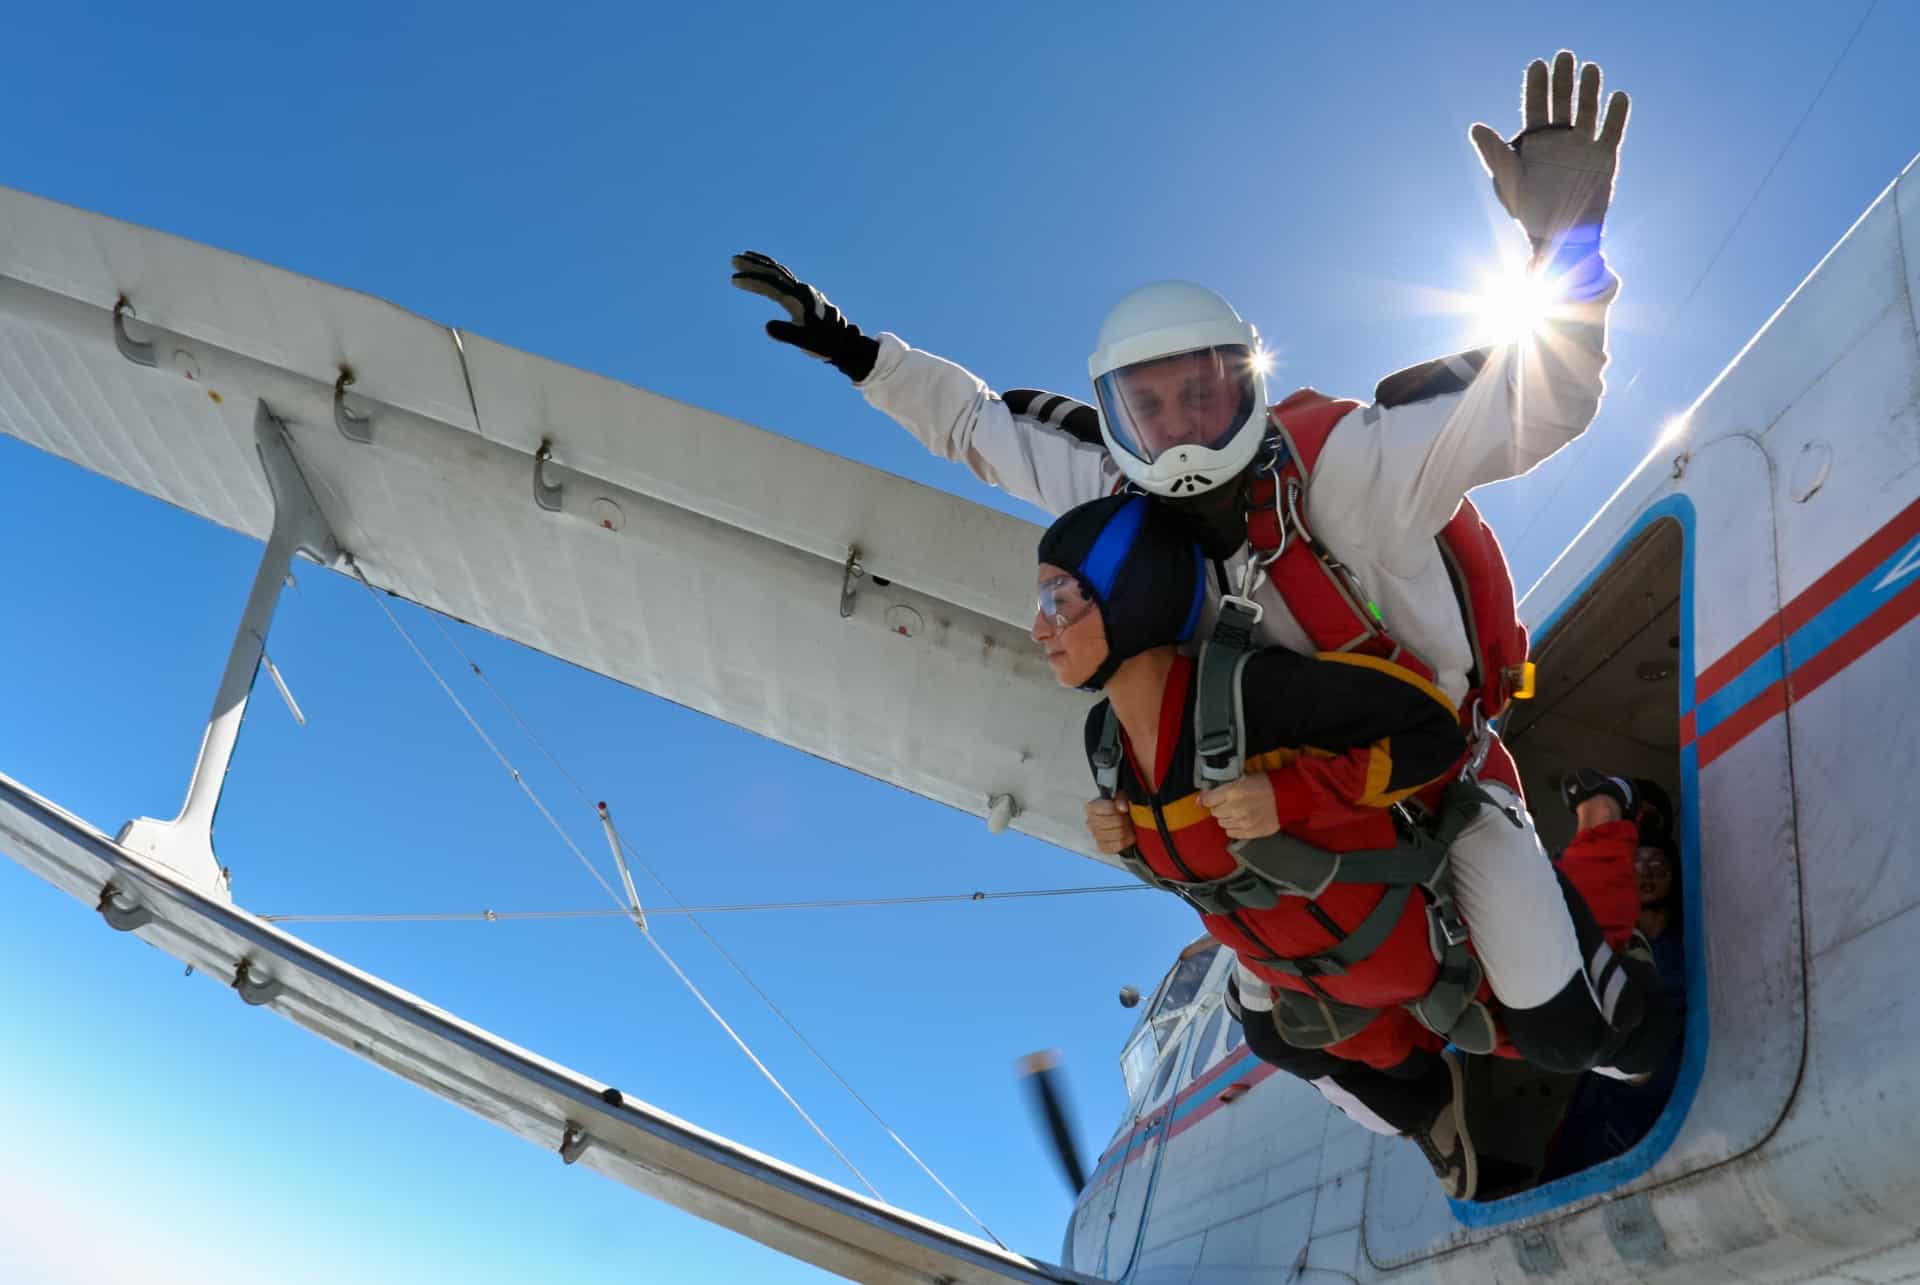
{"x":1218,"y":715}
{"x":1362,"y":942}
{"x":1106,"y":775}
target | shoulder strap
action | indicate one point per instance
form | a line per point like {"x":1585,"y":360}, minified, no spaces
{"x":1106,"y":754}
{"x":1321,"y":593}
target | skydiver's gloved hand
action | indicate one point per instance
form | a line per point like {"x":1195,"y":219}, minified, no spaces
{"x":1556,"y":175}
{"x":1110,"y":825}
{"x":817,"y":327}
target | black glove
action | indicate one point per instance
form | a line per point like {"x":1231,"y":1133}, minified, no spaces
{"x":1556,"y":175}
{"x":817,"y":328}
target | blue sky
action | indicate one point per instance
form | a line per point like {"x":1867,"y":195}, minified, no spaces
{"x":572,"y":181}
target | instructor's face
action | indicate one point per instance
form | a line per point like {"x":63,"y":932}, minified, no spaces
{"x":1193,"y":399}
{"x":1068,"y":627}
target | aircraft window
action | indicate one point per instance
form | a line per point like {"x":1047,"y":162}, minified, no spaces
{"x":1166,"y":1073}
{"x":1236,"y":1036}
{"x":1179,"y":991}
{"x":1136,"y":1064}
{"x":1205,"y":1055}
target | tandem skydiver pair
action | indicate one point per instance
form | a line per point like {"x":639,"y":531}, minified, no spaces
{"x":1320,"y":777}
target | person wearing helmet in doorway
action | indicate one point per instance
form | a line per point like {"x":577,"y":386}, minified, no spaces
{"x":1366,"y":490}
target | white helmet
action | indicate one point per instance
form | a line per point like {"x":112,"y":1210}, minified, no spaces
{"x":1183,"y":398}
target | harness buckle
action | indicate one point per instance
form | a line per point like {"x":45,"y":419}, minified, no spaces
{"x":1242,"y":605}
{"x":1447,"y":927}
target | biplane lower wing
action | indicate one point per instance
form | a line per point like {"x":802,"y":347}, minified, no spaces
{"x":582,"y":1121}
{"x":676,"y":550}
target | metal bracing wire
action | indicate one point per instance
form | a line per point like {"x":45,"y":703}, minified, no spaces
{"x":693,"y":917}
{"x":850,"y":903}
{"x":534,"y":797}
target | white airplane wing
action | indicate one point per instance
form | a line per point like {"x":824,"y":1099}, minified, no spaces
{"x":581,"y":1120}
{"x":679,"y":551}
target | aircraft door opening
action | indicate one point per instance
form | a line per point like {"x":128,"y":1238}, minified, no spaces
{"x":1647,"y":669}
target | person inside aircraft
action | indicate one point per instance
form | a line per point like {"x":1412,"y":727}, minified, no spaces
{"x":1657,"y":867}
{"x":1599,"y":857}
{"x":1336,"y":521}
{"x":1626,"y":823}
{"x":1329,"y":745}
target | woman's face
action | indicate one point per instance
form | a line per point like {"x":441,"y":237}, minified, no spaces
{"x":1654,"y":874}
{"x":1068,"y":627}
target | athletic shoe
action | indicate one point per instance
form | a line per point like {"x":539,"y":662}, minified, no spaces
{"x":1445,"y":1142}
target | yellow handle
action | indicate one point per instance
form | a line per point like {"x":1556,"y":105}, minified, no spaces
{"x":1520,"y":680}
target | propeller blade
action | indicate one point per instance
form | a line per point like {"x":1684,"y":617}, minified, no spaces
{"x":1048,"y":1090}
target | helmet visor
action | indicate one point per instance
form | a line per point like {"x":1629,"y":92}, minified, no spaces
{"x":1198,"y":398}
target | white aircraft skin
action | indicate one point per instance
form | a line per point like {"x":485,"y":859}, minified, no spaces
{"x":1774,"y":536}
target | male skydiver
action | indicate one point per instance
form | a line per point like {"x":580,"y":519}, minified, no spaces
{"x":1184,"y":416}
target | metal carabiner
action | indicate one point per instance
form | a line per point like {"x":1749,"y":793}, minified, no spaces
{"x":1479,"y":744}
{"x":1255,"y":574}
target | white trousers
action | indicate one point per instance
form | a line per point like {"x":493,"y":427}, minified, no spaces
{"x":1510,"y":898}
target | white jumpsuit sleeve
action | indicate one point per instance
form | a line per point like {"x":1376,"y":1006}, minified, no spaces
{"x":1390,"y":477}
{"x":957,"y":417}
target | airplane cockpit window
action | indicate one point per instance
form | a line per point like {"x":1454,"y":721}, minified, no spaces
{"x":1182,"y":987}
{"x":1206,"y":1050}
{"x":1160,"y":1019}
{"x":1160,"y":1081}
{"x":1136,"y":1064}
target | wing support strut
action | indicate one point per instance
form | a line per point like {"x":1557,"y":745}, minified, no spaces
{"x":185,"y":843}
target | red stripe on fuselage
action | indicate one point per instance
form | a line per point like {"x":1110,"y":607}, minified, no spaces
{"x":1856,"y":642}
{"x":1812,"y":600}
{"x":1738,"y":725}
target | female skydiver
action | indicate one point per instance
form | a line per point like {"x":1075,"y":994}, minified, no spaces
{"x":1330,"y":744}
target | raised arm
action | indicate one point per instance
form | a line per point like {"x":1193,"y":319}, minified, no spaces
{"x":957,"y":417}
{"x":1439,"y":430}
{"x":948,"y":408}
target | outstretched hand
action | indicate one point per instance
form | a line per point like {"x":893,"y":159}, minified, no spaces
{"x":816,"y":328}
{"x":1556,"y":175}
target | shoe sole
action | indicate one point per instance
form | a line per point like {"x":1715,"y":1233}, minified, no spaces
{"x":1459,"y":1108}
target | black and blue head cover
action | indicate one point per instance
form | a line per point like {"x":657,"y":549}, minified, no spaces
{"x":1136,"y":560}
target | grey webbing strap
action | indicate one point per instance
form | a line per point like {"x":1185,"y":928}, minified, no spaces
{"x":1106,"y":755}
{"x":1356,"y":946}
{"x":1310,"y":1022}
{"x":1219,"y":730}
{"x":1106,"y":775}
{"x":1447,"y":1008}
{"x":1297,"y":868}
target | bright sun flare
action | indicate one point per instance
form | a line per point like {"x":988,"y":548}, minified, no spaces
{"x":1512,"y":305}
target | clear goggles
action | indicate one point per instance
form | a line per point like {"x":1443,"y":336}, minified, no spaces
{"x":1199,"y":398}
{"x":1062,"y":601}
